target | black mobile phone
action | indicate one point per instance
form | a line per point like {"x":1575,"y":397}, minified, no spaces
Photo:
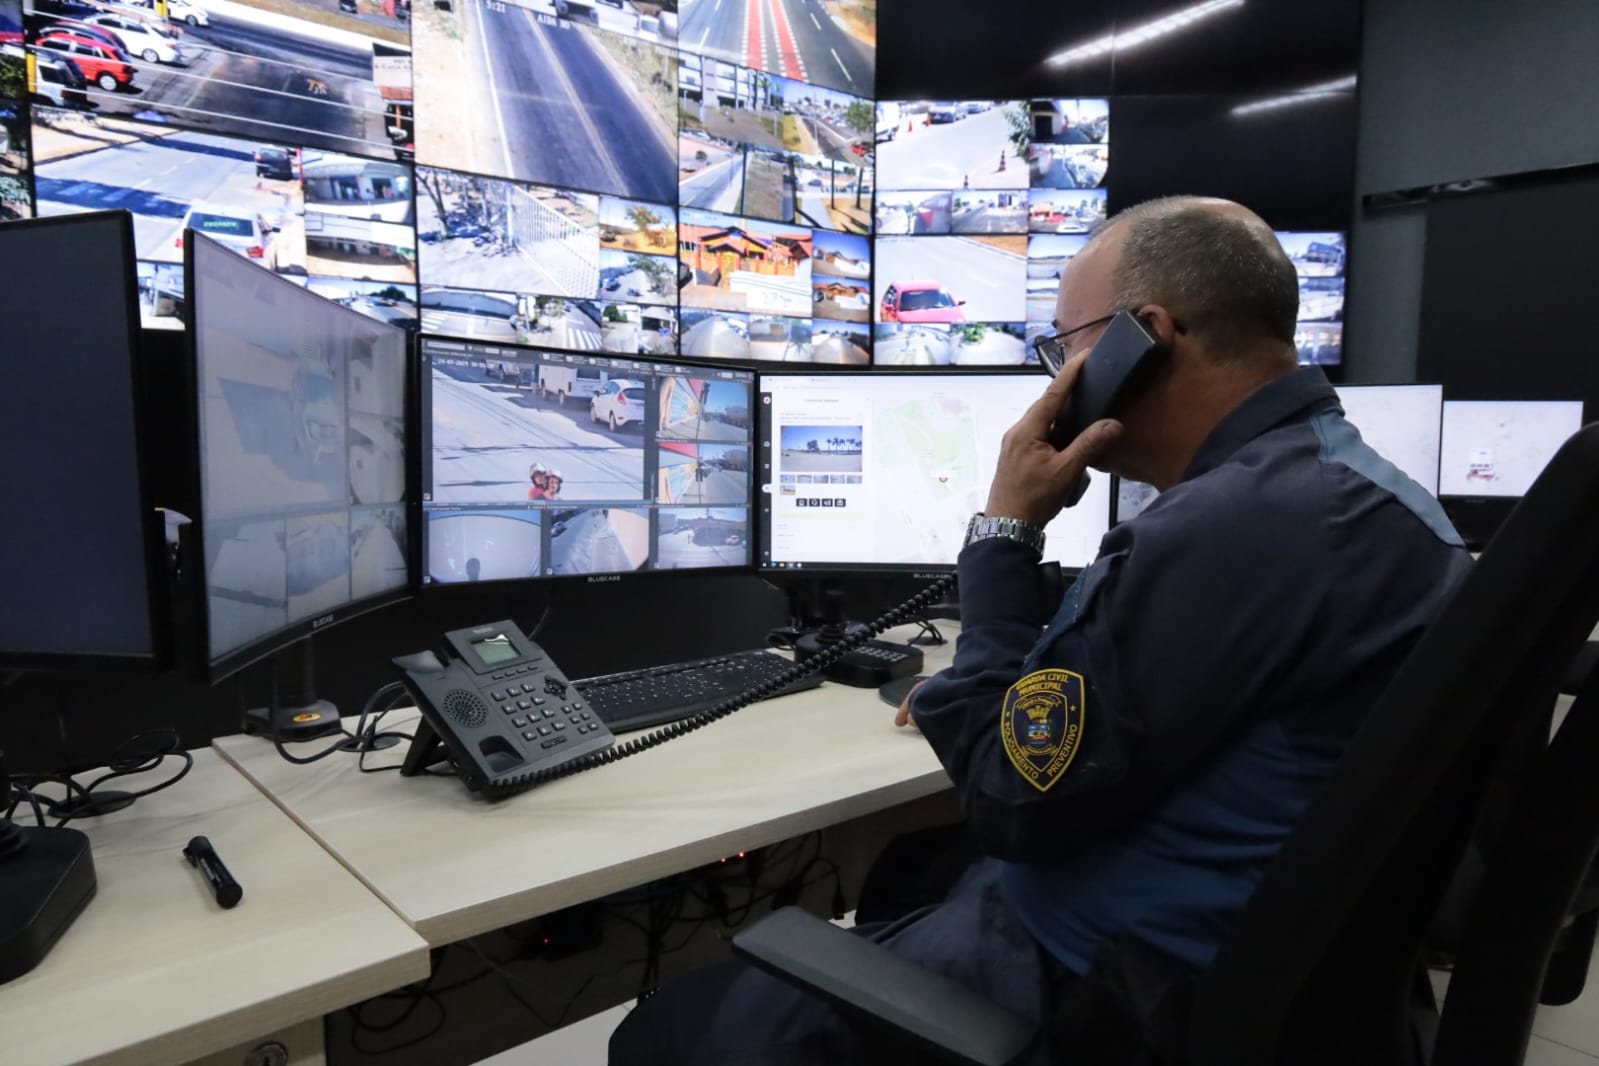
{"x":1123,"y":358}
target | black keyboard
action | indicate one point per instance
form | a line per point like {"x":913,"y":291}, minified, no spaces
{"x":655,"y":696}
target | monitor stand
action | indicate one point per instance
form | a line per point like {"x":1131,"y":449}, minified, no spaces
{"x":296,"y":713}
{"x":46,"y":879}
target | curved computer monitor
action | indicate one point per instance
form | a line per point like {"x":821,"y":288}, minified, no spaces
{"x":305,"y":494}
{"x":82,"y":538}
{"x":882,"y":470}
{"x":544,"y":464}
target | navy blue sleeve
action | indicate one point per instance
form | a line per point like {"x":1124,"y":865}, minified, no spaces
{"x":1167,"y":674}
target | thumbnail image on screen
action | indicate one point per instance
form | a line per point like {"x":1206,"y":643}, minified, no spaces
{"x":744,"y":265}
{"x":873,"y":469}
{"x":833,"y":43}
{"x":542,"y":462}
{"x":513,"y":90}
{"x":1402,"y":423}
{"x":332,"y":76}
{"x":1498,"y":448}
{"x":15,"y":199}
{"x":302,"y":451}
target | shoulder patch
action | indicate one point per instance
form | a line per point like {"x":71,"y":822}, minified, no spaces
{"x":1042,"y":724}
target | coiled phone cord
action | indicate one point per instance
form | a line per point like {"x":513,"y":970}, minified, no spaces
{"x":815,"y":664}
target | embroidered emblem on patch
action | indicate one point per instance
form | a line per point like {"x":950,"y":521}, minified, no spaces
{"x":1042,"y":724}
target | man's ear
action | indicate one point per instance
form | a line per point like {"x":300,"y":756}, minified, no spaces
{"x":1159,"y":321}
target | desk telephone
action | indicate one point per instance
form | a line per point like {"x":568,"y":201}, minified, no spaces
{"x":507,"y":718}
{"x":497,"y":708}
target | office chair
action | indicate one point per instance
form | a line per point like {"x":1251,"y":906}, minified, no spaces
{"x":1322,"y":966}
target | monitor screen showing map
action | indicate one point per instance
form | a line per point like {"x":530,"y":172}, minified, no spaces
{"x":1498,"y":448}
{"x":874,"y":471}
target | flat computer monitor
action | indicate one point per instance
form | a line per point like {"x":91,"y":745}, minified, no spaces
{"x":545,"y":464}
{"x":305,"y":503}
{"x":82,"y":538}
{"x":1497,"y":448}
{"x":875,"y":471}
{"x":1492,"y":452}
{"x":1402,"y":423}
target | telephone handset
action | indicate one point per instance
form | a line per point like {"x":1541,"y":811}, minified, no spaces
{"x":508,"y":719}
{"x":1121,"y":362}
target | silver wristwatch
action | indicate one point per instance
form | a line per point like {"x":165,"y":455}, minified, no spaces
{"x":981,"y":527}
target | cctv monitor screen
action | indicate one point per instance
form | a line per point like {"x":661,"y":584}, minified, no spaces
{"x":1498,"y":448}
{"x":81,"y":542}
{"x":304,"y":502}
{"x":542,"y":463}
{"x":1318,"y":259}
{"x":1402,"y":423}
{"x":875,"y":471}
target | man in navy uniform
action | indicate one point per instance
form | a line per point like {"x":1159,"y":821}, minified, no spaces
{"x":1131,"y":758}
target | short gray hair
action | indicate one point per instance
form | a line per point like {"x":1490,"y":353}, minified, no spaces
{"x":1221,"y":273}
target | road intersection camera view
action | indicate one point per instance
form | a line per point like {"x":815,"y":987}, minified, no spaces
{"x":543,"y":463}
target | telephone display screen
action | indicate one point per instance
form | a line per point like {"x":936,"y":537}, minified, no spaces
{"x":495,"y":649}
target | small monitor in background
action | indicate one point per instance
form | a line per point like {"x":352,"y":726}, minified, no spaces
{"x":82,"y":540}
{"x":1493,"y":450}
{"x":543,"y":463}
{"x":882,"y":471}
{"x":1497,"y":448}
{"x":1401,"y":423}
{"x":1131,"y":499}
{"x":305,"y":507}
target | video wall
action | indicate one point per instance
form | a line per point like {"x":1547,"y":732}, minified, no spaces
{"x":711,"y":179}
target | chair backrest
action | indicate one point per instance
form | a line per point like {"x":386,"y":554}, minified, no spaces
{"x":1532,"y":876}
{"x":1320,"y":964}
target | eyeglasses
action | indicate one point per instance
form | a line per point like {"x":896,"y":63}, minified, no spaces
{"x":1051,"y":347}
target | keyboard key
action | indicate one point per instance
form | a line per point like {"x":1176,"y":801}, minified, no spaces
{"x":544,"y":730}
{"x":518,"y":723}
{"x":529,"y":735}
{"x":526,"y":705}
{"x":559,"y":725}
{"x":496,"y":696}
{"x":509,"y":708}
{"x":552,"y":742}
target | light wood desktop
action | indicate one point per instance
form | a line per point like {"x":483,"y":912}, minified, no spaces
{"x":154,"y":971}
{"x":454,"y":866}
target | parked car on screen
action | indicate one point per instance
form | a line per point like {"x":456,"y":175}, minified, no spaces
{"x":58,"y":81}
{"x":107,"y":66}
{"x":177,"y":11}
{"x":617,"y":403}
{"x":920,"y":301}
{"x":140,"y":38}
{"x":274,"y":162}
{"x":240,"y":228}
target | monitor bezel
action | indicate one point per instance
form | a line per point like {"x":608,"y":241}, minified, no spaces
{"x":212,"y":668}
{"x":158,"y":569}
{"x":838,"y":571}
{"x":430,"y":589}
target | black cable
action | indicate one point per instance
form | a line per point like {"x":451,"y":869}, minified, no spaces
{"x":510,"y":985}
{"x":359,"y":741}
{"x":815,"y":664}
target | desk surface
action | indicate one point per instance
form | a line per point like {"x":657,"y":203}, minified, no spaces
{"x":454,"y":866}
{"x":153,"y":971}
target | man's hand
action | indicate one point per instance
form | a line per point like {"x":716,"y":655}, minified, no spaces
{"x":902,"y":717}
{"x":1033,"y":479}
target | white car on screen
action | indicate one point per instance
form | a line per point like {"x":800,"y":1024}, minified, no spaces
{"x":618,"y":402}
{"x":239,"y":228}
{"x":139,"y":38}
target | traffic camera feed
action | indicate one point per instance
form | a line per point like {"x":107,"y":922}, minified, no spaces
{"x":545,"y":463}
{"x":331,"y":76}
{"x":824,"y":42}
{"x":515,"y":90}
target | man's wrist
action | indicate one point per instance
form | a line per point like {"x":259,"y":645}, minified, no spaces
{"x":983,"y":526}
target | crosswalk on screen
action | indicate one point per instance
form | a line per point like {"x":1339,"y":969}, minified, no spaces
{"x":542,"y":463}
{"x":875,"y":470}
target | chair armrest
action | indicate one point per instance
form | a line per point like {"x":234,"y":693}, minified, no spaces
{"x":868,"y":982}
